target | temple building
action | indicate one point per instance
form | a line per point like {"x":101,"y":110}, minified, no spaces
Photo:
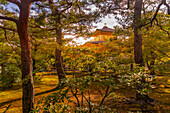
{"x":100,"y":36}
{"x":103,"y":34}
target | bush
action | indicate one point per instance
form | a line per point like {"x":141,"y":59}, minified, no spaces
{"x":81,"y":90}
{"x":10,"y":76}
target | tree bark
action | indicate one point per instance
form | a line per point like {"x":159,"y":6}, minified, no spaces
{"x":34,"y":61}
{"x":138,"y":56}
{"x":58,"y":57}
{"x":34,"y":67}
{"x":131,"y":67}
{"x":26,"y":61}
{"x":152,"y":70}
{"x":152,"y":63}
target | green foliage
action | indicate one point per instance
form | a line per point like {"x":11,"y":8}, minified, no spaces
{"x":82,"y":85}
{"x":79,"y":91}
{"x":163,"y":67}
{"x":78,"y":88}
{"x":4,"y":2}
{"x":11,"y":75}
{"x":136,"y":78}
{"x":55,"y":102}
{"x":159,"y":35}
{"x":10,"y":60}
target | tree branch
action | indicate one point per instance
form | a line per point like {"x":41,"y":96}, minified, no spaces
{"x":168,"y":9}
{"x":41,"y":6}
{"x":38,"y":0}
{"x":128,"y":4}
{"x":15,"y":2}
{"x":106,"y":94}
{"x":162,"y":28}
{"x":2,"y":39}
{"x":5,"y":34}
{"x":160,"y":51}
{"x":9,"y":19}
{"x":8,"y":29}
{"x":69,"y":6}
{"x":47,"y":29}
{"x":154,"y":17}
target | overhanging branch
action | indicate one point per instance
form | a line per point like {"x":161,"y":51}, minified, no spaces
{"x":160,"y":51}
{"x":47,"y":29}
{"x":158,"y":8}
{"x":154,"y":17}
{"x":10,"y":29}
{"x":162,"y":28}
{"x":9,"y":19}
{"x":37,"y":0}
{"x":15,"y":2}
{"x":69,"y":6}
{"x":168,"y":9}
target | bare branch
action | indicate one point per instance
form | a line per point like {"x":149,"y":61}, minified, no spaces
{"x":51,"y":2}
{"x":154,"y":17}
{"x":38,"y":0}
{"x":168,"y":8}
{"x":162,"y":28}
{"x":160,"y":51}
{"x":41,"y":6}
{"x":47,"y":29}
{"x":10,"y":29}
{"x":15,"y":2}
{"x":9,"y":19}
{"x":2,"y":39}
{"x":69,"y":6}
{"x":128,"y":4}
{"x":106,"y":94}
{"x":5,"y":34}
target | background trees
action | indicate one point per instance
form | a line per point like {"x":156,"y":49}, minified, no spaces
{"x":10,"y":66}
{"x":67,"y":17}
{"x":10,"y":60}
{"x":73,"y":17}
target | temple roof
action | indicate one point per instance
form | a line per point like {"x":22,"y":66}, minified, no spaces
{"x":95,"y":42}
{"x":91,"y":43}
{"x":106,"y":29}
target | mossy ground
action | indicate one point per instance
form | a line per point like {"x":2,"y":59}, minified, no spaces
{"x":161,"y":93}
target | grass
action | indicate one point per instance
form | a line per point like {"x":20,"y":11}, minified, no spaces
{"x":48,"y":82}
{"x":160,"y":93}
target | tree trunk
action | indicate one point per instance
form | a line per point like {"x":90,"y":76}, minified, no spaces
{"x":58,"y":57}
{"x":144,"y":99}
{"x":138,"y":56}
{"x":27,"y":78}
{"x":34,"y":67}
{"x":131,"y":67}
{"x":34,"y":61}
{"x":152,"y":63}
